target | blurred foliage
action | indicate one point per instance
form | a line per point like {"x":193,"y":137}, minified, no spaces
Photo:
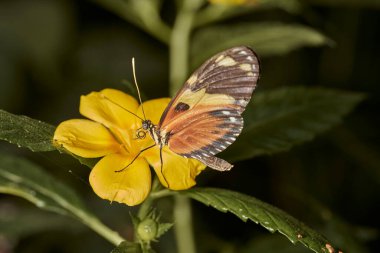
{"x":270,"y":217}
{"x":51,"y":52}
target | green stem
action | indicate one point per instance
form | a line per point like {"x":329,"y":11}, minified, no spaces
{"x":179,"y":43}
{"x":179,"y":68}
{"x":145,"y":208}
{"x":161,"y":194}
{"x":156,"y":193}
{"x":93,"y":223}
{"x":183,"y":225}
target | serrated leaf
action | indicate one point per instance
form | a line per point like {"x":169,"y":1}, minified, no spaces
{"x":273,"y":219}
{"x":277,"y":120}
{"x":266,"y":38}
{"x":127,"y":247}
{"x":26,"y":132}
{"x":163,"y":228}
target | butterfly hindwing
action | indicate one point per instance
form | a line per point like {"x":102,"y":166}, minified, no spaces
{"x":204,"y":117}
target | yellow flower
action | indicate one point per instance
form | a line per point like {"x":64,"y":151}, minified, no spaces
{"x":110,"y":132}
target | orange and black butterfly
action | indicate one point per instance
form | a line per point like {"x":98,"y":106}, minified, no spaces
{"x":204,"y":117}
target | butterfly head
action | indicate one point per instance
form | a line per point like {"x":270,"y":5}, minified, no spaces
{"x":146,"y":124}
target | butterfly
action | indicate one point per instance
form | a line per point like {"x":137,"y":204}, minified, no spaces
{"x":204,"y":117}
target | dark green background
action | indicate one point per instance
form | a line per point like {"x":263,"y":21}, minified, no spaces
{"x":51,"y":52}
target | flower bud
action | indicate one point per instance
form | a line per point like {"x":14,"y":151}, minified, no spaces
{"x":147,"y":229}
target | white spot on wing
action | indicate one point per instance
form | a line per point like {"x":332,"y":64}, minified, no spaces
{"x":226,"y":62}
{"x":232,"y":119}
{"x":226,"y":112}
{"x":245,"y":67}
{"x":243,"y":52}
{"x":249,"y":58}
{"x":241,"y":102}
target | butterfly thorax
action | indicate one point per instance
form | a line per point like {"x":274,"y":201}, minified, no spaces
{"x":154,"y":132}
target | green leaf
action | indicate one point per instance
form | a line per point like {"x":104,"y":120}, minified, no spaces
{"x":271,"y":244}
{"x":270,"y":217}
{"x":33,"y":221}
{"x":266,"y":38}
{"x":27,"y":180}
{"x":163,"y":228}
{"x":217,"y":12}
{"x":26,"y":132}
{"x":143,"y":13}
{"x":89,"y":162}
{"x":277,"y":120}
{"x":22,"y":178}
{"x":33,"y":134}
{"x":346,"y":3}
{"x":127,"y":247}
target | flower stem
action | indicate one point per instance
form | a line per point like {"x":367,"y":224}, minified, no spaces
{"x":179,"y":68}
{"x":104,"y":231}
{"x":183,"y":225}
{"x":145,"y":208}
{"x":179,"y":43}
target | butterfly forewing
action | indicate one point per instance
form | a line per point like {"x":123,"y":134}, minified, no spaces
{"x":204,"y":117}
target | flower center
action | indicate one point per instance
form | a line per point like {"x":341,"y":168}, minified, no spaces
{"x":131,"y":141}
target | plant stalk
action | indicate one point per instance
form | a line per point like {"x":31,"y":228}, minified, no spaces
{"x":183,"y":225}
{"x":179,"y":43}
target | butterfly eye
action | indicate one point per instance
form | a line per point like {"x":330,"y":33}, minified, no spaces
{"x":146,"y":124}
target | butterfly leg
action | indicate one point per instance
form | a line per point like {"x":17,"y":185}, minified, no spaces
{"x":135,"y":158}
{"x":162,"y":165}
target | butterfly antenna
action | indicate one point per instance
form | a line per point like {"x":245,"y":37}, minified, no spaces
{"x":137,"y":86}
{"x":105,"y":97}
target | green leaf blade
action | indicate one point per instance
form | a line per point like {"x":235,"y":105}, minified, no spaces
{"x":26,"y":132}
{"x":277,"y":120}
{"x":25,"y":179}
{"x":266,"y":38}
{"x":270,"y":217}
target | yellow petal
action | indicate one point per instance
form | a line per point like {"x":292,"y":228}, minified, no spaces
{"x":110,"y":107}
{"x":153,"y":109}
{"x":85,"y":138}
{"x":179,"y":172}
{"x":130,"y":186}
